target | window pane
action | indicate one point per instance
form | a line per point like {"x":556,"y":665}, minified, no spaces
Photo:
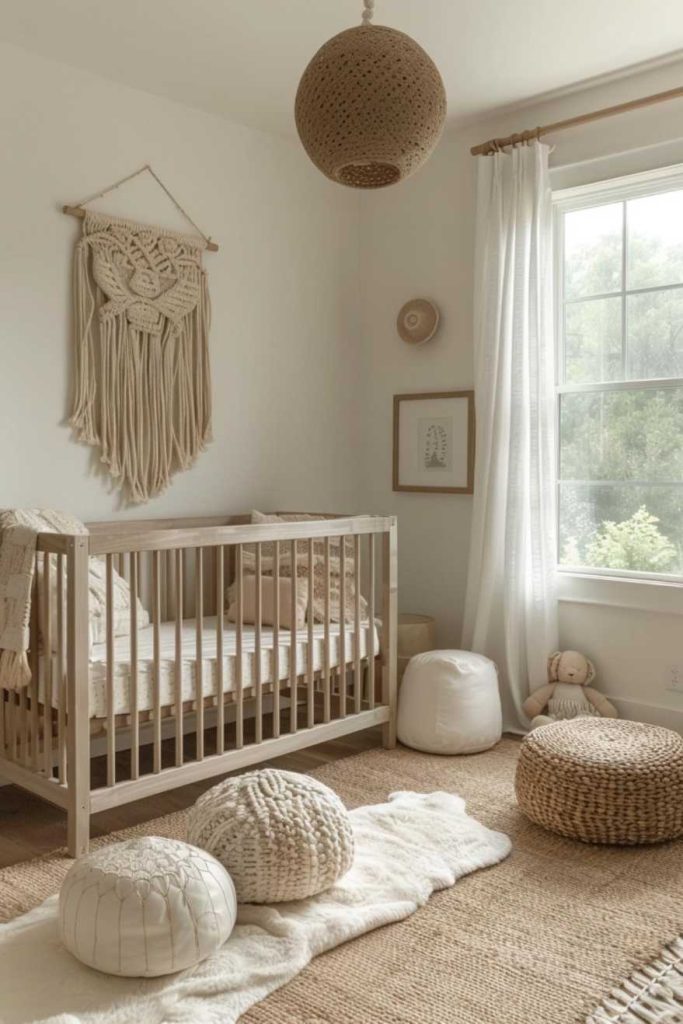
{"x":592,"y":250}
{"x":655,"y":334}
{"x":592,"y":341}
{"x":627,"y":527}
{"x":622,"y":435}
{"x":654,"y":250}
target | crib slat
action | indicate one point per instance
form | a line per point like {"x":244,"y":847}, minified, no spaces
{"x":220,"y":604}
{"x":35,"y":673}
{"x":239,"y":652}
{"x":357,"y":681}
{"x":258,"y":645}
{"x":61,"y":673}
{"x":342,"y":628}
{"x":326,"y":641}
{"x":178,"y":666}
{"x":24,"y":734}
{"x":293,"y":709}
{"x":310,"y":681}
{"x":111,"y":737}
{"x":45,"y":626}
{"x":156,"y":658}
{"x":370,"y":643}
{"x":276,"y":640}
{"x":199,"y":652}
{"x":134,"y":563}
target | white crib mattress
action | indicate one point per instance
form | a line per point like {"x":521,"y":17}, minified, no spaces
{"x":145,"y":702}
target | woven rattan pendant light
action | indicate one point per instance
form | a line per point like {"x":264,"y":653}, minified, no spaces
{"x":370,"y":106}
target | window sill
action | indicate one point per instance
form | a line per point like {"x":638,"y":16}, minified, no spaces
{"x":647,"y":594}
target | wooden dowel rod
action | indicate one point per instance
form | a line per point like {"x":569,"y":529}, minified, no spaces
{"x":342,"y":628}
{"x":178,"y":671}
{"x":326,"y":636}
{"x":310,"y":682}
{"x":156,"y":659}
{"x":46,"y":612}
{"x":220,"y":604}
{"x":357,"y":681}
{"x":485,"y":148}
{"x":293,"y":710}
{"x":78,"y":211}
{"x":276,"y":640}
{"x":239,"y":653}
{"x":61,"y":674}
{"x":257,"y":646}
{"x":199,"y":650}
{"x":111,"y":738}
{"x":134,"y":563}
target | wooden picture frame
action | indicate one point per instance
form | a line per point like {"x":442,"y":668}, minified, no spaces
{"x":435,"y":442}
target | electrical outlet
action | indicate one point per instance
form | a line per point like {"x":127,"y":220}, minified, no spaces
{"x":674,"y":678}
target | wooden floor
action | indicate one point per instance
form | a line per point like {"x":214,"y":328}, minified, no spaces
{"x":30,"y":826}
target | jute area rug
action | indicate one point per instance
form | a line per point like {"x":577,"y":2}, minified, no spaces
{"x":540,"y":939}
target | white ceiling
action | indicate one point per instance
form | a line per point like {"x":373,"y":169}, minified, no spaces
{"x":243,"y":58}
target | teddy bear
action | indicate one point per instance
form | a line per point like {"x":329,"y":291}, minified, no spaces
{"x":567,"y":693}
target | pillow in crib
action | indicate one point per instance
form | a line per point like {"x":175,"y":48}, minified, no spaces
{"x":97,"y":599}
{"x":319,"y":581}
{"x":268,"y":602}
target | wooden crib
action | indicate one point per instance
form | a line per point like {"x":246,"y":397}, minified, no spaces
{"x":201,"y":695}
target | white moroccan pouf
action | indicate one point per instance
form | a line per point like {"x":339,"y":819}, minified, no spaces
{"x":146,"y":907}
{"x":282,"y":836}
{"x":449,"y":703}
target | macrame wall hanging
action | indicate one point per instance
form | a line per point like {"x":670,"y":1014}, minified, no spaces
{"x":142,"y":389}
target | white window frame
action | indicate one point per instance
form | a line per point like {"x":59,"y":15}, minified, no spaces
{"x":576,"y":581}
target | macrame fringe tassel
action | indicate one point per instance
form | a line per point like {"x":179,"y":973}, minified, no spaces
{"x":652,"y":995}
{"x":83,"y":416}
{"x":15,"y":672}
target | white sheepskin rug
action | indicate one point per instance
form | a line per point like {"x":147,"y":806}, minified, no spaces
{"x":406,"y":849}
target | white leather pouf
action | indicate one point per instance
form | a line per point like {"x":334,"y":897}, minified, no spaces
{"x":281,"y":835}
{"x":449,"y":703}
{"x":146,"y":907}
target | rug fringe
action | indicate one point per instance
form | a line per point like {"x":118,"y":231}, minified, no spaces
{"x":653,"y":994}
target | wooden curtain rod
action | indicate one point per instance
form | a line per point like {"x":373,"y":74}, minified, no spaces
{"x":493,"y":145}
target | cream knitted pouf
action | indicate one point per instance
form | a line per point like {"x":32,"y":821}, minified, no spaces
{"x":146,"y":907}
{"x":282,"y":836}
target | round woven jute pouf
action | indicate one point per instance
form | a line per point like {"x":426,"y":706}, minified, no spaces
{"x":602,"y":780}
{"x":281,"y":835}
{"x":370,"y":107}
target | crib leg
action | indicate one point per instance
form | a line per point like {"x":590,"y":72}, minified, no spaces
{"x":389,"y":635}
{"x":389,"y":734}
{"x":78,"y":831}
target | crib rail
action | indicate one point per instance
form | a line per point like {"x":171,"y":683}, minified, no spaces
{"x":137,"y":709}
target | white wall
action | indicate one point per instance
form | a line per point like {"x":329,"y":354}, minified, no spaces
{"x":303,"y":372}
{"x":418,"y":239}
{"x":284,"y":340}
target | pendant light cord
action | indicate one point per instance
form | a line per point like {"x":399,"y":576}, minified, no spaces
{"x":369,"y":10}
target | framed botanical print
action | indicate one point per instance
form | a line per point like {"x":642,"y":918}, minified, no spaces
{"x":434,"y":442}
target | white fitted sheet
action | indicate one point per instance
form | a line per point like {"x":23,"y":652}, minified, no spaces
{"x":122,"y":666}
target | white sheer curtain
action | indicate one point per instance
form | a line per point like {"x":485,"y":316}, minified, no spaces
{"x":511,"y":605}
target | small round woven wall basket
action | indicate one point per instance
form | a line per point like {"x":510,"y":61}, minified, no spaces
{"x":603,"y":780}
{"x":417,"y":321}
{"x":370,"y":107}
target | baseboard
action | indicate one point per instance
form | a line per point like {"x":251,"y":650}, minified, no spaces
{"x":655,"y":714}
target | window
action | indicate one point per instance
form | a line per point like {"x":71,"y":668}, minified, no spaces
{"x":619,"y":285}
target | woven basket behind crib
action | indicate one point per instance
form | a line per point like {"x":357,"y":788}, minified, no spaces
{"x":603,"y":781}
